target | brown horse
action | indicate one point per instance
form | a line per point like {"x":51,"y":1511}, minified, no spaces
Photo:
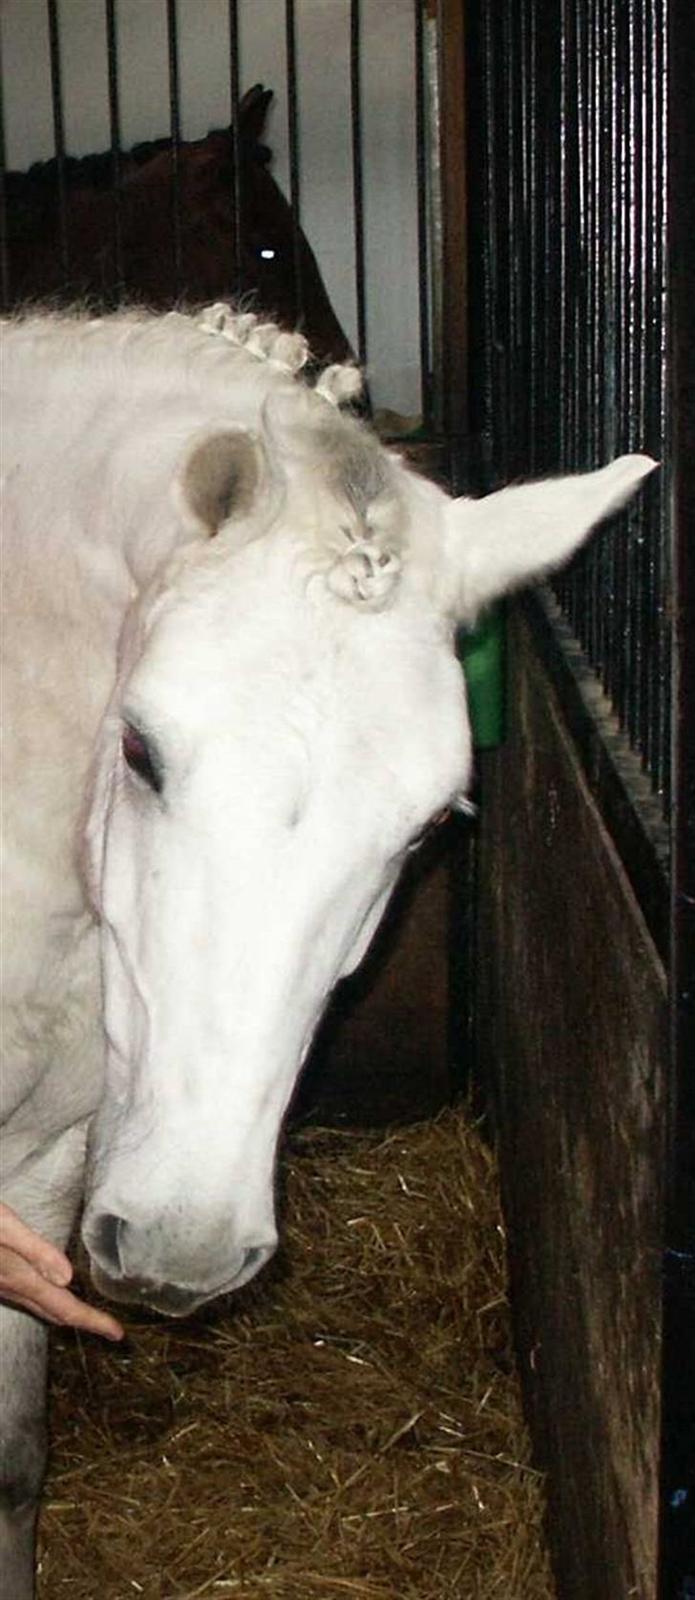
{"x":129,"y":246}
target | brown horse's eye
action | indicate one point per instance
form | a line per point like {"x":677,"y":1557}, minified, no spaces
{"x":138,"y":756}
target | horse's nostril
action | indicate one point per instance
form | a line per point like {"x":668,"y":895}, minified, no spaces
{"x":253,"y":1257}
{"x":106,"y":1240}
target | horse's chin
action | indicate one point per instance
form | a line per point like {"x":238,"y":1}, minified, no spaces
{"x":165,"y":1298}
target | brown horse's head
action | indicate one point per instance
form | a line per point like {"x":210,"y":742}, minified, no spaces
{"x":234,"y":236}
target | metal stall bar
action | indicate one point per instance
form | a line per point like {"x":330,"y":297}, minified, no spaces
{"x":175,"y":126}
{"x":4,"y":255}
{"x":615,"y":680}
{"x":423,"y":254}
{"x":58,"y":131}
{"x":116,"y":147}
{"x":454,"y":89}
{"x":633,"y":87}
{"x":293,"y":143}
{"x":236,"y":146}
{"x":656,"y":399}
{"x":610,"y":194}
{"x":567,"y":206}
{"x":358,"y":178}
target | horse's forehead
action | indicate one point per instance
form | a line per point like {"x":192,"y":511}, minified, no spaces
{"x":262,"y":633}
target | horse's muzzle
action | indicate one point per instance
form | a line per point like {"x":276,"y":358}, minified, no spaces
{"x":110,"y":1243}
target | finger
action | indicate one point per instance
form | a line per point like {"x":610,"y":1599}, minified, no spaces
{"x":74,"y":1313}
{"x":24,"y":1302}
{"x":23,"y":1285}
{"x":17,"y":1236}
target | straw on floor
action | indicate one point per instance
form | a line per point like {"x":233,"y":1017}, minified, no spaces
{"x":347,"y":1428}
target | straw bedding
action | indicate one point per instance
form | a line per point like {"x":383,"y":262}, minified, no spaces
{"x":347,"y":1428}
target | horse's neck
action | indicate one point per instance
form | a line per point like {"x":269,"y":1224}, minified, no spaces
{"x":87,"y":519}
{"x":91,"y":510}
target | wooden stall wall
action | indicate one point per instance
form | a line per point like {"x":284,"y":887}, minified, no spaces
{"x":571,"y":261}
{"x":573,"y":1035}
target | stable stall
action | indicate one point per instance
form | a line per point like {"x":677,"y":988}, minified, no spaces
{"x":475,"y":203}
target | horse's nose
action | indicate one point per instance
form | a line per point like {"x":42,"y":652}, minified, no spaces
{"x":125,"y":1255}
{"x":105,"y":1243}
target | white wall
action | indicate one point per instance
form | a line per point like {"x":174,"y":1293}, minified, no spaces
{"x":326,"y":170}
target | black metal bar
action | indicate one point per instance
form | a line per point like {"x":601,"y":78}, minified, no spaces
{"x":424,"y":306}
{"x":358,"y":177}
{"x":613,"y":257}
{"x":115,"y":132}
{"x":293,"y":143}
{"x":4,"y":248}
{"x":175,"y":128}
{"x":58,"y":131}
{"x":237,"y":175}
{"x":568,"y":218}
{"x":457,"y":89}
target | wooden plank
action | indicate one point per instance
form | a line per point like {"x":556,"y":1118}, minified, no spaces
{"x":678,"y":1465}
{"x":575,"y":1042}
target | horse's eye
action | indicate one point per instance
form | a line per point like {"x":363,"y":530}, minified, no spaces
{"x":138,"y":756}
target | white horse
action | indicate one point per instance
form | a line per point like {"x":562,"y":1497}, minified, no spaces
{"x":232,"y":706}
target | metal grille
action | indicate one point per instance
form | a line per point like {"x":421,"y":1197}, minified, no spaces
{"x":567,"y":163}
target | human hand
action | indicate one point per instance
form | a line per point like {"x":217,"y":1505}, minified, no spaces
{"x":34,"y":1274}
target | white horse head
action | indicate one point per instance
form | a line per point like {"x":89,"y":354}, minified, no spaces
{"x":288,"y":717}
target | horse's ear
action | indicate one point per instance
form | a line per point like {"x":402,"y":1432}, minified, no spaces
{"x":253,"y":110}
{"x":219,"y":480}
{"x":517,"y":535}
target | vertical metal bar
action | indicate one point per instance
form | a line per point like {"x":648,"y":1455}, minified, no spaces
{"x":476,"y":322}
{"x":655,"y":418}
{"x":572,"y":291}
{"x":357,"y":178}
{"x":662,"y":420}
{"x":455,"y":86}
{"x":529,"y":115}
{"x":237,"y":174}
{"x":58,"y":131}
{"x":546,"y":175}
{"x":293,"y":142}
{"x":612,"y":333}
{"x":631,"y":333}
{"x":423,"y":254}
{"x":115,"y":132}
{"x":648,"y":375}
{"x":491,"y":335}
{"x":625,"y":335}
{"x":4,"y":245}
{"x":175,"y":129}
{"x":508,"y":71}
{"x":507,"y":243}
{"x":599,"y":616}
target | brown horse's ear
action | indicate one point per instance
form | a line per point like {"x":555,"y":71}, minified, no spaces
{"x":219,"y":480}
{"x":253,"y":110}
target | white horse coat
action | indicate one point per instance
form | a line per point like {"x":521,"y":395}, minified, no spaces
{"x":231,"y":706}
